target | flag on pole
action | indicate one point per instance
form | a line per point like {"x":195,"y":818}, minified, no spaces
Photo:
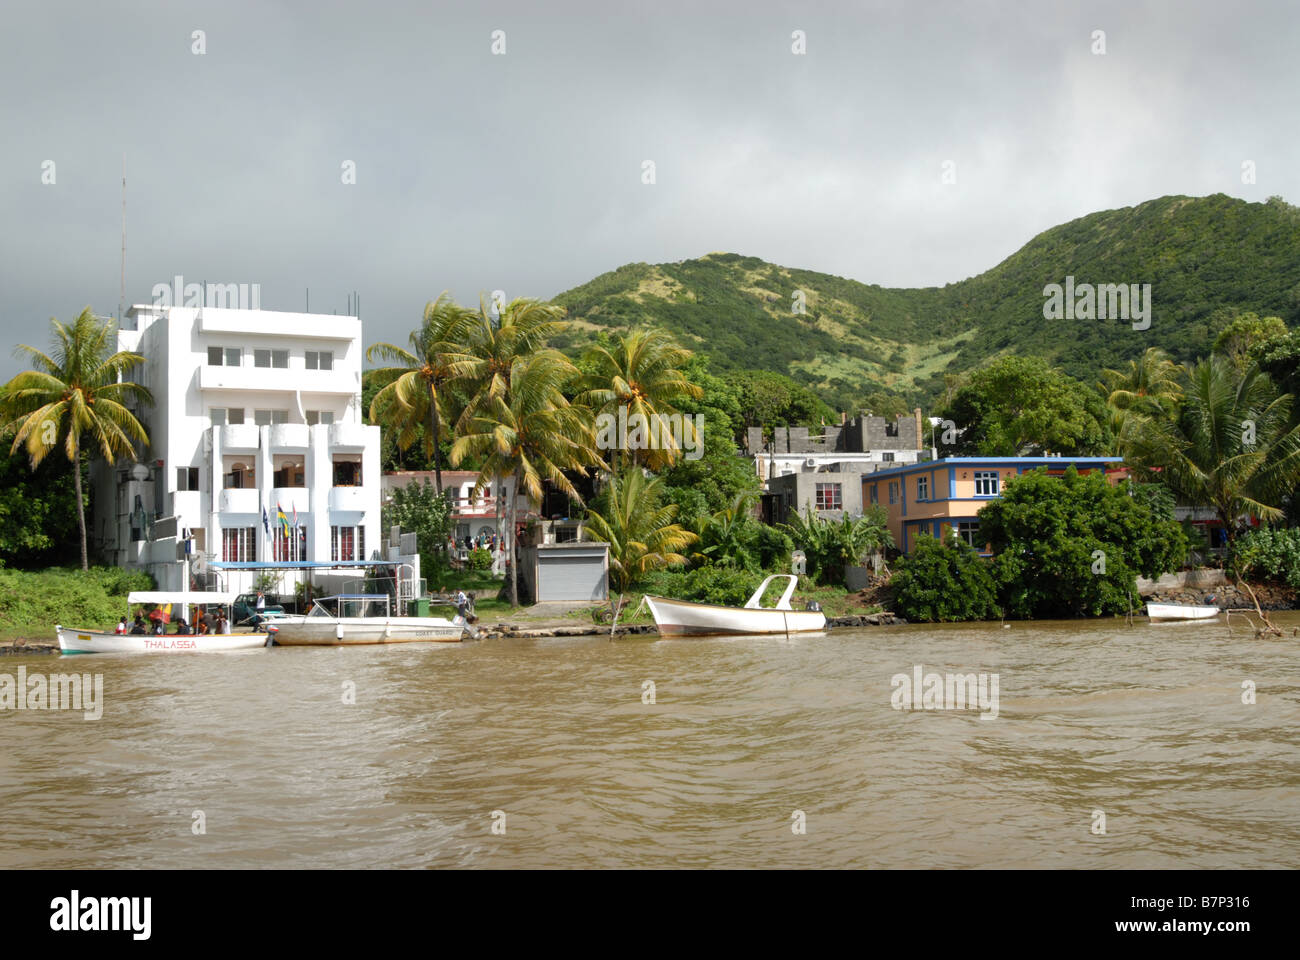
{"x":295,"y":516}
{"x":266,"y":523}
{"x":281,"y":518}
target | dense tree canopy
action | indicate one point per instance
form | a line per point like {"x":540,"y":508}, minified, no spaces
{"x":1023,"y":406}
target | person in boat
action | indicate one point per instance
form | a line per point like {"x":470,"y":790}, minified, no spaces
{"x":223,"y":625}
{"x":182,"y":626}
{"x":159,"y":628}
{"x":121,"y":626}
{"x":137,"y":628}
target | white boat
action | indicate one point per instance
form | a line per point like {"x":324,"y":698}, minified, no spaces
{"x":1180,"y":611}
{"x":363,"y":618}
{"x":72,"y":640}
{"x":685,"y":618}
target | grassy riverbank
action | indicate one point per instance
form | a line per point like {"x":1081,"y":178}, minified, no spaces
{"x":33,"y":601}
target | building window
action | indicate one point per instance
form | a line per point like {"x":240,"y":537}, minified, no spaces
{"x":887,"y":457}
{"x":922,"y":488}
{"x":240,"y":477}
{"x":828,"y":496}
{"x":893,"y":491}
{"x":347,"y":473}
{"x":187,"y":478}
{"x":227,"y":415}
{"x":224,"y":356}
{"x":986,"y":483}
{"x":320,"y":360}
{"x":289,"y":475}
{"x":319,"y":416}
{"x":290,"y":547}
{"x":271,"y":358}
{"x":875,"y":496}
{"x":970,"y":532}
{"x":264,"y":418}
{"x":238,"y":544}
{"x":347,"y":543}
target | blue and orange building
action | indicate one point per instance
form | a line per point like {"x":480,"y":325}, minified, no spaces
{"x":937,"y":497}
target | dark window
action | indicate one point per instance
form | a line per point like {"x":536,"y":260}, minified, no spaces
{"x":187,"y":478}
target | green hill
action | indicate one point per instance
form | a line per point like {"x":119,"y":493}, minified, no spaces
{"x":1204,"y":258}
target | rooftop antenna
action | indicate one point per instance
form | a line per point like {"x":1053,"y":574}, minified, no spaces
{"x":121,"y":293}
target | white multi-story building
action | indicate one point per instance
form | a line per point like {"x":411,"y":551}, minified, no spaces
{"x":255,"y":412}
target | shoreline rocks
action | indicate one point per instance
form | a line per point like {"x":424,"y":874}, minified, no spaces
{"x":1230,"y":596}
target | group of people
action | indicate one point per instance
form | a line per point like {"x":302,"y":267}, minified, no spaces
{"x":158,"y":625}
{"x":485,"y":541}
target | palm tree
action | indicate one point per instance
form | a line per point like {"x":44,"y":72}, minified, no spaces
{"x":415,"y":393}
{"x":831,"y":545}
{"x":641,"y":374}
{"x":641,"y":533}
{"x":76,"y":399}
{"x":530,"y":432}
{"x":723,"y":532}
{"x":486,"y":360}
{"x":1148,"y":388}
{"x":1229,"y":446}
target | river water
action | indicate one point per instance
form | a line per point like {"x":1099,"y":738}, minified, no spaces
{"x":551,"y":742}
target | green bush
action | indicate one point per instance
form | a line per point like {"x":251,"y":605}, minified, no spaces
{"x":39,"y":599}
{"x":721,"y":585}
{"x":480,"y":558}
{"x":1073,"y":545}
{"x":1269,"y":554}
{"x":944,"y":582}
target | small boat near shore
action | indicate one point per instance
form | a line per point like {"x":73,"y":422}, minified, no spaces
{"x":360,"y":619}
{"x":678,"y":618}
{"x":1181,"y":611}
{"x":72,"y":640}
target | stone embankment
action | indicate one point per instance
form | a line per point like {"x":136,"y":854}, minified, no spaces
{"x":1229,"y":596}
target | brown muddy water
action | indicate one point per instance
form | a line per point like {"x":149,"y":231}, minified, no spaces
{"x":552,"y":740}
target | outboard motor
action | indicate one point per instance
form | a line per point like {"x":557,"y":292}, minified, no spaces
{"x":270,"y":635}
{"x":812,"y":605}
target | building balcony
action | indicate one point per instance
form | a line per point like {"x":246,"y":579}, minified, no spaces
{"x":349,"y":436}
{"x":239,"y":438}
{"x":246,"y":500}
{"x":275,"y":379}
{"x":312,"y":326}
{"x":355,"y":499}
{"x":290,"y":499}
{"x":187,"y":508}
{"x":290,"y":437}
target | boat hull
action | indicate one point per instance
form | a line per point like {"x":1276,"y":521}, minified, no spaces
{"x":682,"y":618}
{"x":93,"y":641}
{"x":364,"y":631}
{"x":1180,"y":611}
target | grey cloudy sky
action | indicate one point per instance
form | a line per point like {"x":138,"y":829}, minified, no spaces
{"x":522,"y":172}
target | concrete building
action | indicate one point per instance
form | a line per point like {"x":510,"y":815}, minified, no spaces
{"x":942,"y":496}
{"x":255,"y":412}
{"x":800,"y":469}
{"x":859,"y":445}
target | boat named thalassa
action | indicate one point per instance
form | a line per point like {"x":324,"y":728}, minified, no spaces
{"x":72,"y":640}
{"x":686,"y":618}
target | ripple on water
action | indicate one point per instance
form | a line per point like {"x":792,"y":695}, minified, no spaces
{"x":1142,"y":723}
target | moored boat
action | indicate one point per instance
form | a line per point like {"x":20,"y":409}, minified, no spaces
{"x":329,"y":628}
{"x":1181,"y":611}
{"x":72,"y":640}
{"x":687,"y":618}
